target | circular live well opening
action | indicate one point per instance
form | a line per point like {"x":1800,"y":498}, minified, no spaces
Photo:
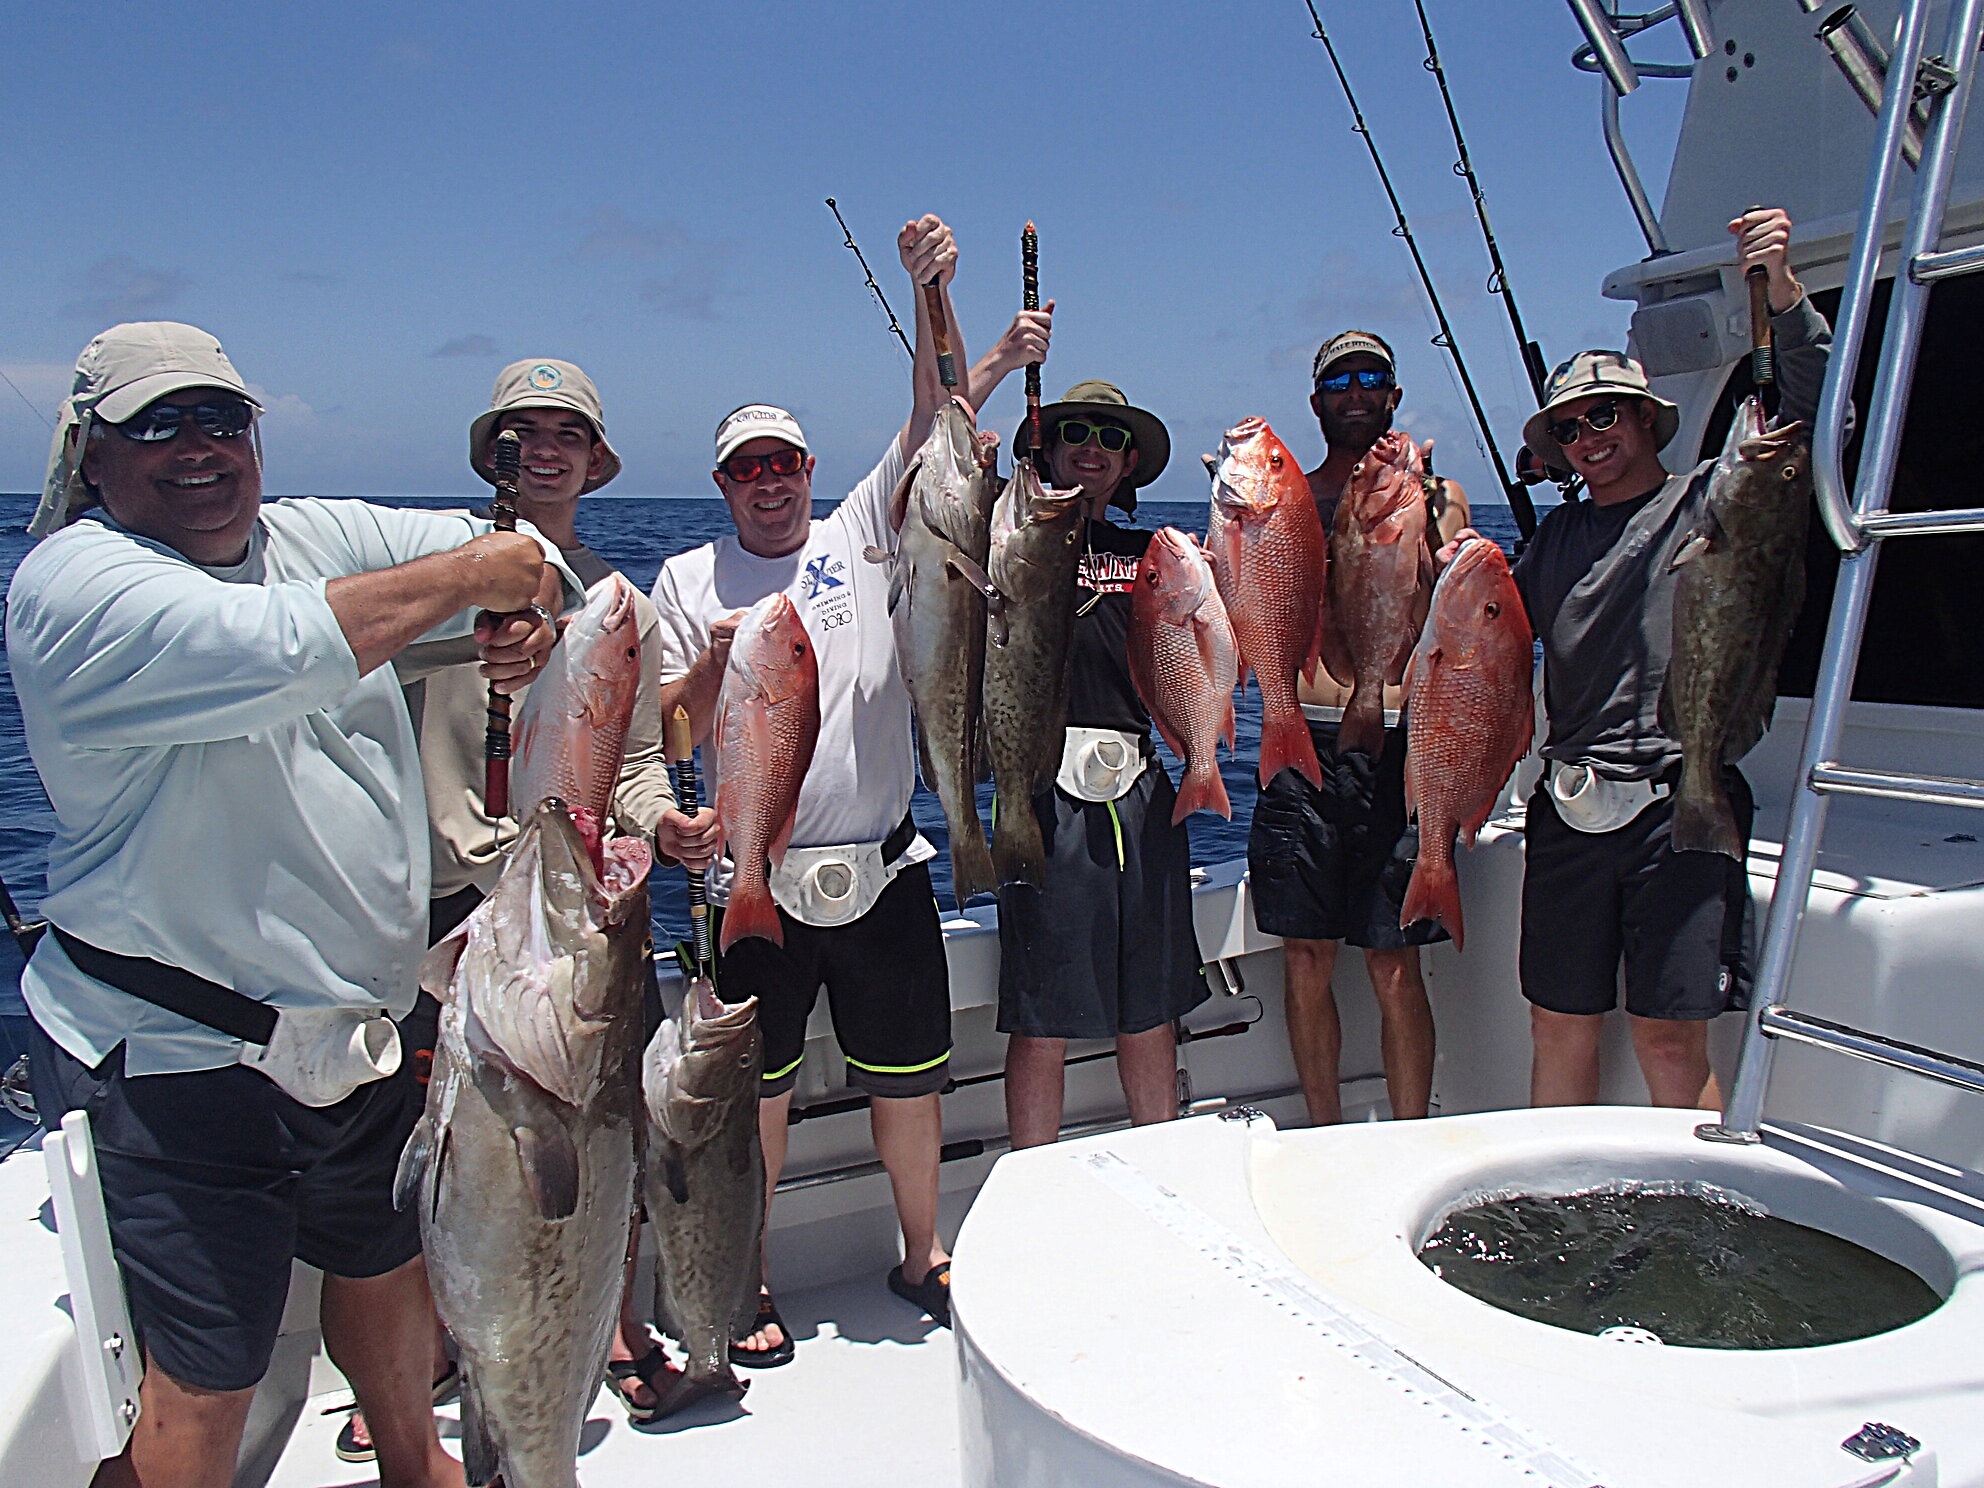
{"x":1705,"y":1253}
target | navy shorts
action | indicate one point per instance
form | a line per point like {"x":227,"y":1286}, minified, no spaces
{"x":1107,"y":947}
{"x":1333,"y":864}
{"x":888,"y":988}
{"x":215,"y":1180}
{"x":1678,"y":921}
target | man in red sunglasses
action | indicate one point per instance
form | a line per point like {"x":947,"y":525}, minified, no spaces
{"x":1329,"y":866}
{"x":876,"y":945}
{"x":1603,"y":885}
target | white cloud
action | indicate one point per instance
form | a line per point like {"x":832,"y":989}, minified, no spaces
{"x":120,"y":288}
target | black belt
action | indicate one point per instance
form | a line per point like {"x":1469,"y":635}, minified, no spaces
{"x":897,"y":842}
{"x":207,"y":1003}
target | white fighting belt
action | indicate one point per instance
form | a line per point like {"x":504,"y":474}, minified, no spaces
{"x":1592,"y":802}
{"x":828,"y":886}
{"x":1099,"y":764}
{"x":321,"y":1055}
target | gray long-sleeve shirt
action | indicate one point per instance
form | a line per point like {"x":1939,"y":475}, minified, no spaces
{"x":1599,"y":582}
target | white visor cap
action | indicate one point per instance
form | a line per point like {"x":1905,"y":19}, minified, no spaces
{"x":756,"y":421}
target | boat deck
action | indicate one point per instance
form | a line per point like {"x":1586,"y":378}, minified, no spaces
{"x":878,"y":1378}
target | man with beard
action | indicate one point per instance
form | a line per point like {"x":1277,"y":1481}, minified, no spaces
{"x":1332,"y":865}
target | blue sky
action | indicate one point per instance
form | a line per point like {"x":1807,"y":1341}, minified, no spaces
{"x":376,"y":206}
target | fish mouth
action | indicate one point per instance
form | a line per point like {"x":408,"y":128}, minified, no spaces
{"x":1248,"y":428}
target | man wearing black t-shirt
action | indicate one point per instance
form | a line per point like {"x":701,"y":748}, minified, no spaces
{"x":1602,"y":883}
{"x":1105,"y":949}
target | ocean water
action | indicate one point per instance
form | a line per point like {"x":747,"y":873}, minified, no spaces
{"x":638,"y":535}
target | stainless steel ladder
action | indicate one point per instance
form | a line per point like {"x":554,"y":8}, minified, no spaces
{"x":1859,"y":525}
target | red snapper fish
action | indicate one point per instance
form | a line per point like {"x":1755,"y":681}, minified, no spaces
{"x":1470,"y":717}
{"x":1271,"y":564}
{"x":571,"y":732}
{"x":1184,"y":662}
{"x":767,"y":721}
{"x":1380,"y":572}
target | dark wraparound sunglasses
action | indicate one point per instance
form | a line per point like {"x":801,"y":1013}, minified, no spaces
{"x":1598,"y":418}
{"x":1371,"y":379}
{"x":746,"y":468}
{"x":223,"y":420}
{"x":1112,"y":437}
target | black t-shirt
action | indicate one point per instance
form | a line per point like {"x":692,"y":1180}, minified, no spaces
{"x":1100,"y":693}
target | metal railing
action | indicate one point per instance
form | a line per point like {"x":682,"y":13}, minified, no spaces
{"x":1858,"y":525}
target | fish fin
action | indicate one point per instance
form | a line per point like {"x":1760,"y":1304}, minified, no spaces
{"x":899,"y":498}
{"x":1703,"y":819}
{"x":1433,"y":894}
{"x":1019,"y":853}
{"x":551,"y":1167}
{"x":997,"y":629}
{"x":965,"y":567}
{"x":972,"y":868}
{"x":898,"y":585}
{"x":1229,"y":728}
{"x":1170,"y":737}
{"x":674,"y":1174}
{"x":1286,"y":745}
{"x":437,"y":967}
{"x":1690,"y":550}
{"x":1202,"y":790}
{"x":784,"y":838}
{"x":416,"y":1160}
{"x":479,"y":1464}
{"x":750,"y":912}
{"x":877,"y":555}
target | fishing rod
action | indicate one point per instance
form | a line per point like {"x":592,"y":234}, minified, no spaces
{"x":1516,"y":495}
{"x":681,"y":752}
{"x":1498,"y":275}
{"x":873,"y":288}
{"x":26,"y":933}
{"x":506,"y":456}
{"x":1030,"y":300}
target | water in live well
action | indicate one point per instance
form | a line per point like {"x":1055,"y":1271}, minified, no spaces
{"x":637,"y":535}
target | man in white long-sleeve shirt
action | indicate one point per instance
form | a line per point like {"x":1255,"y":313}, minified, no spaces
{"x":240,"y":829}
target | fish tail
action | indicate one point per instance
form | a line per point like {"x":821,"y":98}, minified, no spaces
{"x":1704,"y":821}
{"x":1019,"y":853}
{"x":1433,"y":893}
{"x":1363,"y":726}
{"x":1202,"y":789}
{"x":751,"y":911}
{"x":972,"y":871}
{"x":1286,"y":745}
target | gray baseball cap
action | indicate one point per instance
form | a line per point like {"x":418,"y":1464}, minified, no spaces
{"x":540,"y":383}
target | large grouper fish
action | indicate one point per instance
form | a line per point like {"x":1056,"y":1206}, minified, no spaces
{"x":1736,"y":597}
{"x":523,"y":1165}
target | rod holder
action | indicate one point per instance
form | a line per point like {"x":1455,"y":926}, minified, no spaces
{"x":1693,"y":16}
{"x":1606,"y":45}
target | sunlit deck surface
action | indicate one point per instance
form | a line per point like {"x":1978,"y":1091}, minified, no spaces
{"x":871,"y":1398}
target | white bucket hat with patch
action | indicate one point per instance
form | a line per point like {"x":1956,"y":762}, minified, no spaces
{"x":541,"y":383}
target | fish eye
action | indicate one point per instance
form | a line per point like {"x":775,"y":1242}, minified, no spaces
{"x":1275,"y":460}
{"x":1791,"y":472}
{"x":1494,"y":609}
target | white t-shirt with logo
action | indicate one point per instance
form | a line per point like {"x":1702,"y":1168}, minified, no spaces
{"x":864,"y":765}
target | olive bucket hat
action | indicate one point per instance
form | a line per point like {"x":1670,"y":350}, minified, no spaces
{"x":1098,"y":399}
{"x":1592,"y":374}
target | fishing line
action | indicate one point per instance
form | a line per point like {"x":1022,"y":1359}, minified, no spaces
{"x":24,"y":398}
{"x":1516,"y":496}
{"x":873,"y":288}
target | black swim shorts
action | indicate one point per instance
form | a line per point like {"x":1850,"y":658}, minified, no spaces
{"x":1107,"y":947}
{"x":1679,"y":921}
{"x":214,"y":1180}
{"x":888,"y":988}
{"x":1333,"y":863}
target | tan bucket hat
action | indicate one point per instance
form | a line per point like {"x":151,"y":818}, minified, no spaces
{"x":121,"y":371}
{"x":1592,"y":374}
{"x":1100,"y":399}
{"x":540,"y":383}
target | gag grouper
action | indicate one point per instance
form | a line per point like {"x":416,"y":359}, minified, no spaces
{"x":523,"y":1165}
{"x":1741,"y":582}
{"x":1036,"y":552}
{"x":941,"y":513}
{"x":705,"y":1182}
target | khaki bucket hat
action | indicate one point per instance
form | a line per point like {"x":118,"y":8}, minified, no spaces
{"x":1592,"y":374}
{"x":1099,"y":399}
{"x":540,"y":383}
{"x":119,"y":373}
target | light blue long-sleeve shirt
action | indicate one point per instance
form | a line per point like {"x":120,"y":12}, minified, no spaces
{"x":231,"y":796}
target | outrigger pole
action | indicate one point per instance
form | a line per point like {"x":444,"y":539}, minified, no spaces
{"x":873,"y":288}
{"x":1514,"y":493}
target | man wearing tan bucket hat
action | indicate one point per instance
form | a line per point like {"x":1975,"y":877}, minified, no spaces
{"x":237,"y":862}
{"x":1603,"y":884}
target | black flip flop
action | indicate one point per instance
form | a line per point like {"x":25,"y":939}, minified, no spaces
{"x":771,"y":1358}
{"x":932,"y":1294}
{"x":348,"y":1447}
{"x":651,"y":1369}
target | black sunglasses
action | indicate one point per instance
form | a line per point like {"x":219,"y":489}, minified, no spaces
{"x":1598,"y":418}
{"x":224,"y":420}
{"x":1112,"y":437}
{"x":1371,"y":379}
{"x":746,"y":468}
